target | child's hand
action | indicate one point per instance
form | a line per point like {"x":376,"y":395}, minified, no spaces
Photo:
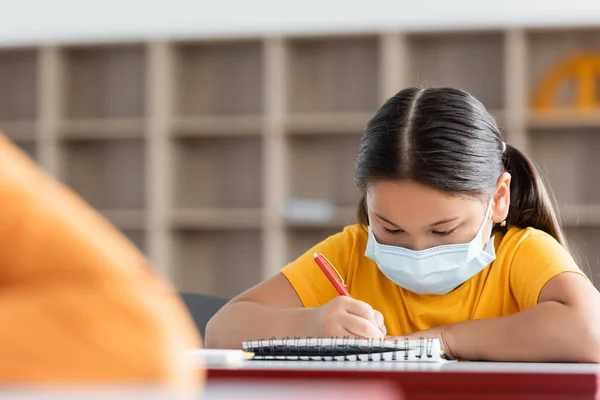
{"x":345,"y":316}
{"x":440,"y":332}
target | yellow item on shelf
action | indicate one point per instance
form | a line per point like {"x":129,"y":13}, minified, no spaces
{"x":584,"y":70}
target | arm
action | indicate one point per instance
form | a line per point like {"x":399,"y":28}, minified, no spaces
{"x":298,"y":302}
{"x":563,"y":327}
{"x":272,"y":308}
{"x":559,"y":318}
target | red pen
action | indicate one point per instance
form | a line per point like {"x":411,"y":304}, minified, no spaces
{"x":327,"y":268}
{"x":339,"y":285}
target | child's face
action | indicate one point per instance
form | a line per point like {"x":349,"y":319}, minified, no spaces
{"x":414,"y":216}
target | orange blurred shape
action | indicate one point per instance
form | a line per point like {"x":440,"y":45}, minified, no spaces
{"x":583,"y":69}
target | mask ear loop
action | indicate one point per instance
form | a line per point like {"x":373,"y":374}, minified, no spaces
{"x":487,"y":214}
{"x":485,"y":217}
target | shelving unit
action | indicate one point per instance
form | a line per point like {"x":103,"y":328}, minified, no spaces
{"x":329,"y":157}
{"x":108,"y":173}
{"x":218,"y":79}
{"x":104,"y":83}
{"x":473,"y":61}
{"x":217,"y":262}
{"x":225,"y":159}
{"x":323,"y":75}
{"x":562,"y":143}
{"x":18,"y":90}
{"x":137,"y":237}
{"x":301,"y":239}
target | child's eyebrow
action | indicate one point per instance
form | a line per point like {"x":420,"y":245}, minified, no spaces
{"x":442,"y":222}
{"x":386,"y":220}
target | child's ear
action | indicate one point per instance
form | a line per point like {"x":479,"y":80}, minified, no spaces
{"x":501,"y":204}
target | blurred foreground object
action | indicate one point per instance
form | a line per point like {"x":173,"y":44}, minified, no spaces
{"x":78,"y":303}
{"x":265,"y":389}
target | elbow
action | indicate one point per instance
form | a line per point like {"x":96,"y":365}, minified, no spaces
{"x":591,"y":350}
{"x":211,"y":334}
{"x":222,"y":329}
{"x":588,"y":346}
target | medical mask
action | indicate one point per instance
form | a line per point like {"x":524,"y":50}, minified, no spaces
{"x":437,"y":270}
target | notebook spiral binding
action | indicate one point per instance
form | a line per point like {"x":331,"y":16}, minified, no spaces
{"x":287,"y":347}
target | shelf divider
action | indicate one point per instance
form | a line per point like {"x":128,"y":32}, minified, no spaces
{"x":158,"y":161}
{"x":50,"y":106}
{"x":275,"y":154}
{"x":515,"y":89}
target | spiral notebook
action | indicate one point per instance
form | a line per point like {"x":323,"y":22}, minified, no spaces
{"x":346,"y":349}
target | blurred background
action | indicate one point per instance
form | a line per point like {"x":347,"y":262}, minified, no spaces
{"x":220,"y":137}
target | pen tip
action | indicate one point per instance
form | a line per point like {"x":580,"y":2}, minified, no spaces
{"x":315,"y":255}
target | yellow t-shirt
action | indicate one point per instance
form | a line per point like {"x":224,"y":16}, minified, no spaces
{"x":525,"y":260}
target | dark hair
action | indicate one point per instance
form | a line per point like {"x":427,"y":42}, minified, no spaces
{"x":444,"y":138}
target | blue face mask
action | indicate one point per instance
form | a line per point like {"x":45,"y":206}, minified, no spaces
{"x":437,"y":270}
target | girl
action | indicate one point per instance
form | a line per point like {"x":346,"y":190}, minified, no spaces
{"x":457,"y":240}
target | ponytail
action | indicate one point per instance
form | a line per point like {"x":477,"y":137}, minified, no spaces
{"x":530,"y":202}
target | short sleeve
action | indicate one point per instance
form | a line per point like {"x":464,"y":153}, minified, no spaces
{"x":309,"y":282}
{"x":538,"y":258}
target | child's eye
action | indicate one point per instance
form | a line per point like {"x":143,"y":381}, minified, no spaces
{"x":393,"y":231}
{"x":444,"y":233}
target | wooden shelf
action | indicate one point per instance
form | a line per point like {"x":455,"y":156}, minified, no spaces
{"x":328,"y":123}
{"x":563,"y":119}
{"x":218,"y":78}
{"x":323,"y":74}
{"x":235,"y":125}
{"x":29,"y":147}
{"x":301,"y":240}
{"x":547,"y":48}
{"x":329,"y":157}
{"x":584,"y":242}
{"x":499,"y":114}
{"x":217,"y":173}
{"x":19,"y":130}
{"x":18,"y":84}
{"x":221,"y":263}
{"x":473,"y":61}
{"x":208,"y":153}
{"x":569,"y":161}
{"x":340,"y":217}
{"x":137,"y":237}
{"x":581,"y":215}
{"x":109,"y":174}
{"x":216,"y":219}
{"x":94,"y":129}
{"x":126,"y":219}
{"x":104,"y":81}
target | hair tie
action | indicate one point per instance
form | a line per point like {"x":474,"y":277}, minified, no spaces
{"x":503,"y":147}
